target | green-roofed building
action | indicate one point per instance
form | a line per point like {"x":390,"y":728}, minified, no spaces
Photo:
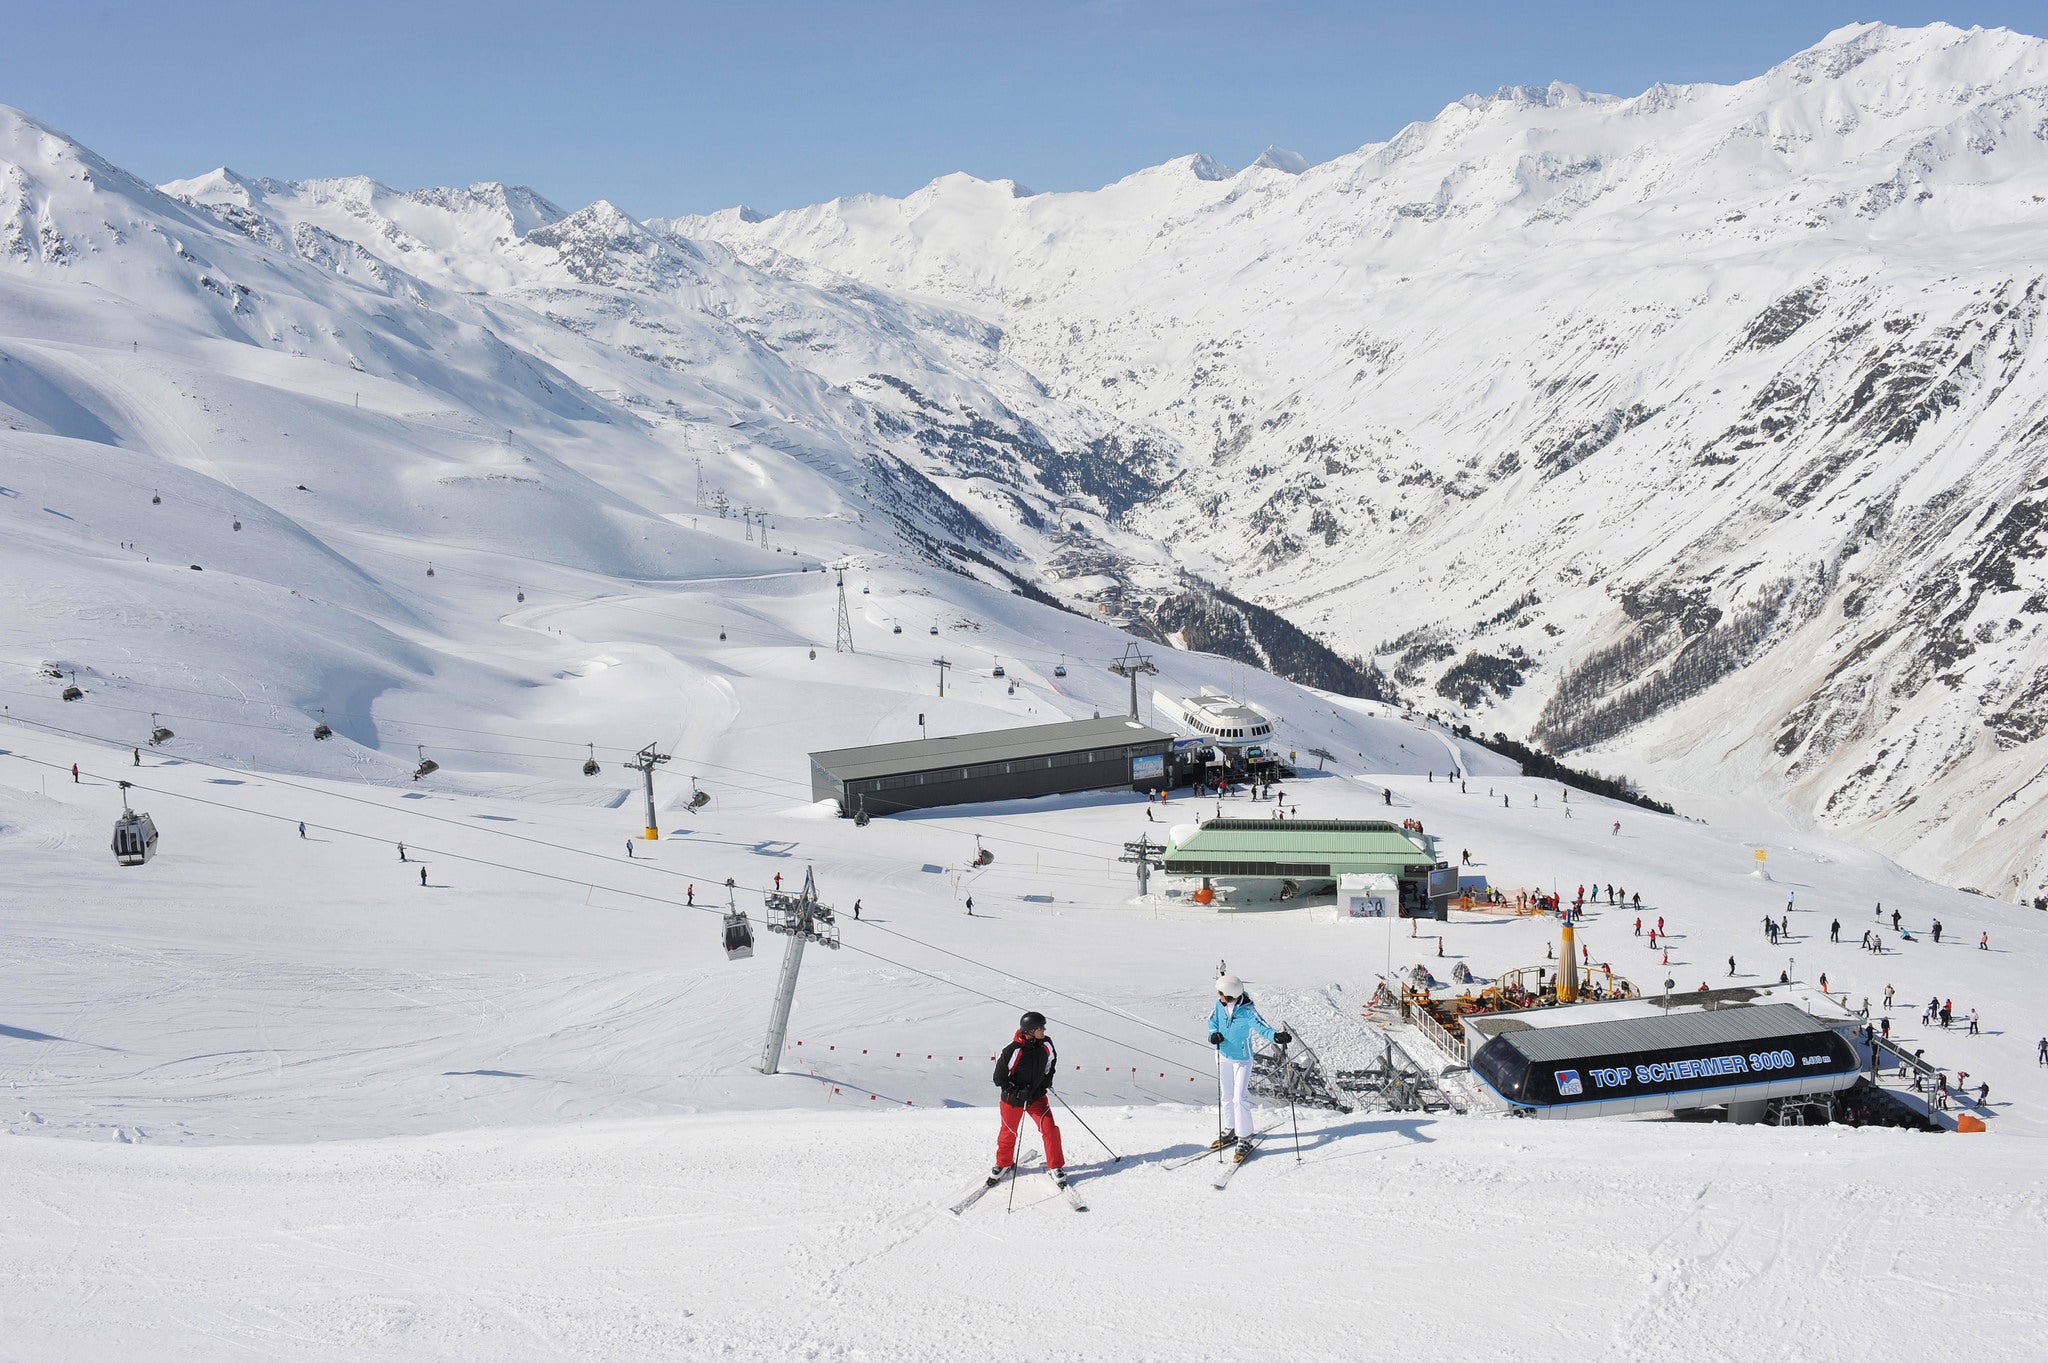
{"x":1259,"y":857}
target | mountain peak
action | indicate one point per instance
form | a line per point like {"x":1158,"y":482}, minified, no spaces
{"x":1281,"y":159}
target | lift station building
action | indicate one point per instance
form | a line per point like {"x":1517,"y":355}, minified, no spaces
{"x":1263,"y":858}
{"x":1002,"y":764}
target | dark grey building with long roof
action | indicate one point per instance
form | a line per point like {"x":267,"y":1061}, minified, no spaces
{"x":1001,"y":764}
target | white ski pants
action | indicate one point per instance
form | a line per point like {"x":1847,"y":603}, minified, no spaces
{"x":1233,"y":1082}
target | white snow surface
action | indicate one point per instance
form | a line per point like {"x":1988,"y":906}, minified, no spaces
{"x":271,"y":1096}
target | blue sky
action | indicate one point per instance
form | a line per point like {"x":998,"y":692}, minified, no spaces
{"x":686,"y":107}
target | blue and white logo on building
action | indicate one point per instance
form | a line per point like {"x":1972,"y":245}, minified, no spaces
{"x":1568,"y":1085}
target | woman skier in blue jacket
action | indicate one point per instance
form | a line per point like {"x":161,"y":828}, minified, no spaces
{"x":1231,"y":1024}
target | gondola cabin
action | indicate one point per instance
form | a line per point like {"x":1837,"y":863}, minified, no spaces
{"x":739,"y":936}
{"x":134,"y":838}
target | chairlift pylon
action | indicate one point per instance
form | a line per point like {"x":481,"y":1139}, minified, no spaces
{"x":320,"y":730}
{"x":590,"y":763}
{"x":158,"y":734}
{"x":71,"y":691}
{"x":428,"y":766}
{"x":739,"y":936}
{"x":134,"y":834}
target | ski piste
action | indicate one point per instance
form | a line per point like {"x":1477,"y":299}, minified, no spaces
{"x":1230,"y":1169}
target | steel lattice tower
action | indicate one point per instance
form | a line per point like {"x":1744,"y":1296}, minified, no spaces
{"x":844,"y":643}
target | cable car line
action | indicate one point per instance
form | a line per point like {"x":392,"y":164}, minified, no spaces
{"x":671,"y":904}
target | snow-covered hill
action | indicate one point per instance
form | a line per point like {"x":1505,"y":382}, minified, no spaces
{"x":1701,"y":432}
{"x":364,"y":1065}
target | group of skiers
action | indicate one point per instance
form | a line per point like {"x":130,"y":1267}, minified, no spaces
{"x":1025,"y":1068}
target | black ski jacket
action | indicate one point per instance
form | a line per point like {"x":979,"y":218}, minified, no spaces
{"x":1024,"y":1070}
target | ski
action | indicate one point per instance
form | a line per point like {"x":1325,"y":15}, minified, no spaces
{"x":1205,"y":1153}
{"x":975,"y":1196}
{"x":1066,"y":1191}
{"x":1230,"y":1170}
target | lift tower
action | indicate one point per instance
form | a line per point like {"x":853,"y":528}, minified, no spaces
{"x":844,"y":643}
{"x":645,"y":763}
{"x":1133,"y":665}
{"x":803,"y":919}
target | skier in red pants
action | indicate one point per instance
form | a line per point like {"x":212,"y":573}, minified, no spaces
{"x":1024,"y":1073}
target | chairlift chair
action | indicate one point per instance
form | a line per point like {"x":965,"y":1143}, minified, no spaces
{"x":898,"y":630}
{"x":156,"y":499}
{"x":590,"y":763}
{"x":860,"y":812}
{"x":935,"y":629}
{"x":158,"y":734}
{"x":522,"y":593}
{"x":428,"y":766}
{"x":71,"y":691}
{"x":238,"y":522}
{"x":320,"y":730}
{"x":1060,"y":671}
{"x":430,"y":570}
{"x":698,"y":798}
{"x":739,"y":936}
{"x":982,"y":856}
{"x":999,"y":670}
{"x":134,"y":834}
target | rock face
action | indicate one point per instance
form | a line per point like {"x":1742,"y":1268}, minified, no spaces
{"x":1706,"y":428}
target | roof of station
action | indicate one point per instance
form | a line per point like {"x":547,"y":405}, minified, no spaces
{"x":994,"y":745}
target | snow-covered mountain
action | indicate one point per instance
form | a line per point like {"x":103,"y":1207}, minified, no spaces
{"x":1697,"y":434}
{"x":1703,"y":433}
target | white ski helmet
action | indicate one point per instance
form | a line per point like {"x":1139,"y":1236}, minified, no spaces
{"x":1229,"y":986}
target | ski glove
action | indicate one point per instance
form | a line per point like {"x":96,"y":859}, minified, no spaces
{"x":1283,"y":1037}
{"x":1215,"y":1038}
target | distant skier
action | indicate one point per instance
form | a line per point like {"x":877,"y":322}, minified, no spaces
{"x":690,"y":895}
{"x":1232,"y":1023}
{"x":423,"y":877}
{"x":74,"y":774}
{"x":1895,"y":920}
{"x":138,"y":756}
{"x":1617,"y":828}
{"x":1024,"y":1073}
{"x":401,"y":851}
{"x":2041,"y":1051}
{"x":1937,"y":932}
{"x":302,"y":828}
{"x":1731,"y":967}
{"x":970,"y":906}
{"x":1984,"y":941}
{"x":778,"y":882}
{"x":629,"y":849}
{"x":856,"y":910}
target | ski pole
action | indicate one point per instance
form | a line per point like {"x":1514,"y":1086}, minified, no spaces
{"x":1114,"y":1157}
{"x":1219,"y":1103}
{"x":1012,"y":1205}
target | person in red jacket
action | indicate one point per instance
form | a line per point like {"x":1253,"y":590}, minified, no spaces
{"x":1024,"y":1073}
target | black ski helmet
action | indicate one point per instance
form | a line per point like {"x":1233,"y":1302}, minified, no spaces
{"x":1031,"y":1022}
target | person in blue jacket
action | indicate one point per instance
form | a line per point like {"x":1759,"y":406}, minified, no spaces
{"x":1232,"y":1023}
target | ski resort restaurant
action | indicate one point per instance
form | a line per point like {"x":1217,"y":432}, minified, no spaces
{"x":1278,"y":859}
{"x":1000,"y":764}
